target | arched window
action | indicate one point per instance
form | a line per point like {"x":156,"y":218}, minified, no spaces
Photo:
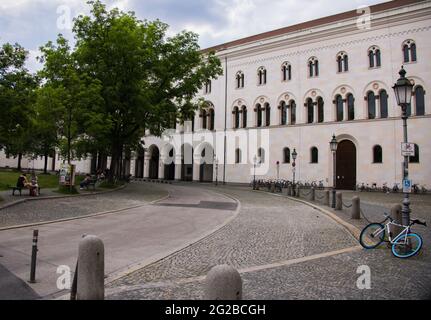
{"x":419,"y":100}
{"x":267,"y":114}
{"x":310,"y":110}
{"x":342,"y":62}
{"x":238,"y":155}
{"x":244,"y":116}
{"x":415,"y":159}
{"x":350,"y":107}
{"x":261,"y":76}
{"x":377,"y":154}
{"x":292,"y":112}
{"x":339,"y":108}
{"x":314,"y":155}
{"x":383,"y":104}
{"x":203,"y":115}
{"x":211,"y":119}
{"x":286,"y":71}
{"x":374,"y":57}
{"x":320,"y":110}
{"x":207,"y":89}
{"x":286,"y":155}
{"x":235,"y":113}
{"x":283,"y":113}
{"x":313,"y":67}
{"x":258,"y":111}
{"x":409,"y":51}
{"x":261,"y":155}
{"x":239,"y":79}
{"x":371,"y":102}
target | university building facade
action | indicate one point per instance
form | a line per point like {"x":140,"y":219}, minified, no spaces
{"x":294,"y":88}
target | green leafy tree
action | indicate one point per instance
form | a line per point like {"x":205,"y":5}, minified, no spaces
{"x":17,"y":92}
{"x":144,"y":74}
{"x":71,"y":94}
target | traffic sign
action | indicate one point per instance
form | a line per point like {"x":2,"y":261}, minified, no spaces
{"x":407,"y":149}
{"x":407,"y":186}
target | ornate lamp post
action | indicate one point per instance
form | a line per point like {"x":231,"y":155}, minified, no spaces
{"x":216,"y":167}
{"x":333,"y":144}
{"x":254,"y":171}
{"x":294,"y":155}
{"x":403,"y":89}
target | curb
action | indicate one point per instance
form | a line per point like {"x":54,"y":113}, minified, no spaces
{"x":354,"y":231}
{"x":84,"y":216}
{"x":59,"y":197}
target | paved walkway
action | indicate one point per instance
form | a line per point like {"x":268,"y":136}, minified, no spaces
{"x":143,"y":234}
{"x":284,"y":250}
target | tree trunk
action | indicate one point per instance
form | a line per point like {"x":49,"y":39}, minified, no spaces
{"x":19,"y":161}
{"x":45,"y":166}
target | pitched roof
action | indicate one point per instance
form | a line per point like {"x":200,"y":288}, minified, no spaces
{"x":311,"y":24}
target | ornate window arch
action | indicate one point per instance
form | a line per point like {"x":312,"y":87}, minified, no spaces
{"x":313,"y":67}
{"x":419,"y":100}
{"x":409,"y":51}
{"x":377,"y":154}
{"x":286,"y":71}
{"x":371,"y":105}
{"x":374,"y":57}
{"x":320,"y":109}
{"x":235,"y":117}
{"x":259,"y":114}
{"x":309,"y":104}
{"x":350,"y":100}
{"x":314,"y":155}
{"x":342,"y":62}
{"x":239,"y":80}
{"x":261,"y":76}
{"x":267,"y":114}
{"x":383,"y":100}
{"x":339,"y":108}
{"x":244,"y":116}
{"x":208,"y":116}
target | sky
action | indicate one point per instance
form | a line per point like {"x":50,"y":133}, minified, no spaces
{"x":32,"y":23}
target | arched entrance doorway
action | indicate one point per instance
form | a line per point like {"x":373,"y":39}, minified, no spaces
{"x":139,"y":163}
{"x":346,"y":165}
{"x":186,"y":162}
{"x":206,"y":167}
{"x":170,"y":166}
{"x":154,"y":162}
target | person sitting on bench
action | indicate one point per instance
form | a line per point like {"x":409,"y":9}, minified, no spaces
{"x":84,"y":183}
{"x":34,"y":185}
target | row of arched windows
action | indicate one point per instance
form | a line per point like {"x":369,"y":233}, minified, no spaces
{"x":342,"y":60}
{"x":377,"y":107}
{"x":314,"y":155}
{"x":207,"y":116}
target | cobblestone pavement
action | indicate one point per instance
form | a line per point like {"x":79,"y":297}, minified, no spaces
{"x":270,"y":229}
{"x":133,"y":194}
{"x":267,"y":230}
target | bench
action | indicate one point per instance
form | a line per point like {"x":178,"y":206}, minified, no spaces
{"x":20,"y":190}
{"x":93,"y":182}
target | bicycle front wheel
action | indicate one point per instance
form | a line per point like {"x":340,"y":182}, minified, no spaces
{"x":407,"y":245}
{"x":372,"y":235}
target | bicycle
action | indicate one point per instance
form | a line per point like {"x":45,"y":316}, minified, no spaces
{"x":404,"y":245}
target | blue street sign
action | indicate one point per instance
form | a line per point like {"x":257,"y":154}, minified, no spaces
{"x":407,"y":186}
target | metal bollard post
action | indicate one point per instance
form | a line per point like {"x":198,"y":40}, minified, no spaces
{"x":356,"y":208}
{"x":272,"y":187}
{"x":338,"y":201}
{"x":326,"y":199}
{"x":223,"y":282}
{"x":91,"y":269}
{"x":289,"y":190}
{"x":34,"y":257}
{"x":396,"y":214}
{"x":313,"y":194}
{"x":297,"y":191}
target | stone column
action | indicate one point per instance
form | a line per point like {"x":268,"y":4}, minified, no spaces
{"x":345,"y":110}
{"x":178,"y":167}
{"x":162,"y":168}
{"x":196,"y":167}
{"x":146,"y":166}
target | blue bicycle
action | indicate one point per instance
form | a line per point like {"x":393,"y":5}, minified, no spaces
{"x":404,"y":245}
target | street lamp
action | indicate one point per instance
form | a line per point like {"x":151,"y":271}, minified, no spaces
{"x":333,"y":144}
{"x":403,"y":89}
{"x":294,"y":155}
{"x":216,"y":164}
{"x":254,"y":171}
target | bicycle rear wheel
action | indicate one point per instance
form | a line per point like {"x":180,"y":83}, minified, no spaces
{"x":372,"y":235}
{"x":407,"y":246}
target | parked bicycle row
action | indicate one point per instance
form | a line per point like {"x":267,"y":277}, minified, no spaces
{"x":416,"y":188}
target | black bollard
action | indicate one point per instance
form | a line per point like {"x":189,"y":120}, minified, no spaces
{"x":34,"y":257}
